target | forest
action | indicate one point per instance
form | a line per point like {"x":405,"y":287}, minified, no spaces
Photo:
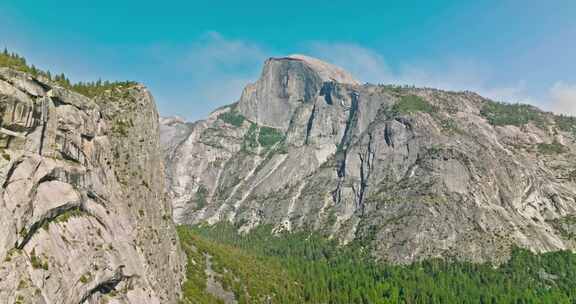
{"x":260,"y":267}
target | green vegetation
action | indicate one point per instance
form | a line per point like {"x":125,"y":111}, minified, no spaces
{"x":194,"y":288}
{"x":10,"y":254}
{"x":251,"y":138}
{"x":566,"y":123}
{"x":5,"y":154}
{"x":450,"y":126}
{"x":435,"y":150}
{"x":551,"y":149}
{"x":97,"y":88}
{"x":68,"y":214}
{"x":18,"y":63}
{"x":393,"y":88}
{"x":89,"y":89}
{"x":269,"y":136}
{"x":23,"y":232}
{"x":201,"y":197}
{"x":121,"y":126}
{"x":85,"y":278}
{"x":20,"y":298}
{"x":232,"y":117}
{"x":37,"y":262}
{"x":260,"y":136}
{"x":412,"y":104}
{"x":252,"y":279}
{"x":566,"y":226}
{"x":282,"y":148}
{"x":502,"y":114}
{"x":306,"y":268}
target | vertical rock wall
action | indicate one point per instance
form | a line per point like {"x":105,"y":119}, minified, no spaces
{"x":83,"y":215}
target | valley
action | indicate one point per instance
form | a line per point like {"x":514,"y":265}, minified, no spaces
{"x":311,"y":188}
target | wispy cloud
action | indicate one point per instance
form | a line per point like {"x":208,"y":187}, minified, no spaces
{"x":214,"y":53}
{"x":455,"y":74}
{"x":563,"y":98}
{"x":214,"y":69}
{"x":222,"y":67}
{"x":365,"y":64}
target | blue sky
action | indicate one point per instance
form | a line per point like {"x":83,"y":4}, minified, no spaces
{"x":198,"y":55}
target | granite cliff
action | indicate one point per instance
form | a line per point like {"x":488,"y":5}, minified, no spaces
{"x":412,"y":173}
{"x":82,"y":202}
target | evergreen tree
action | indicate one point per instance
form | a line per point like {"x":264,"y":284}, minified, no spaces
{"x":327,"y":273}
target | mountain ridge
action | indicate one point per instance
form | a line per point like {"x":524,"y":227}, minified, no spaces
{"x":381,"y":163}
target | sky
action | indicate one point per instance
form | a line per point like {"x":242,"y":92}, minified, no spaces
{"x":198,"y":55}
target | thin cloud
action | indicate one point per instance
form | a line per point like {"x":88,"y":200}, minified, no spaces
{"x":214,"y":53}
{"x":563,"y":98}
{"x":363,"y":63}
{"x":214,"y":69}
{"x":222,"y":67}
{"x":369,"y":66}
{"x":456,"y":74}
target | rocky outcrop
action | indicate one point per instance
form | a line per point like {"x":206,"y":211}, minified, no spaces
{"x":284,"y":85}
{"x":82,"y":202}
{"x":410,"y":173}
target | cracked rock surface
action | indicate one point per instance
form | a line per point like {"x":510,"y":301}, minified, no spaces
{"x":305,"y":149}
{"x":83,"y":212}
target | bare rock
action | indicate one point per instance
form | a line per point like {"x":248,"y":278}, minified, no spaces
{"x":412,"y":173}
{"x":84,"y":214}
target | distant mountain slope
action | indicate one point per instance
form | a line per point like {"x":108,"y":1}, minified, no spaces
{"x":414,"y":173}
{"x":83,"y":212}
{"x":305,"y":268}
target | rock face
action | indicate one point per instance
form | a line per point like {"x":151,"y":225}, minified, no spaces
{"x":82,"y":202}
{"x":410,"y":173}
{"x":285,"y":84}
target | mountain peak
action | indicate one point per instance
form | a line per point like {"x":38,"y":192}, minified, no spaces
{"x":286,"y":83}
{"x":327,"y":71}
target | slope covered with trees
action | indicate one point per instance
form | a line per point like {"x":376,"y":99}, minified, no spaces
{"x":305,"y":268}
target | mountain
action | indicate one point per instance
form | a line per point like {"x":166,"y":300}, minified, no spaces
{"x":83,"y":209}
{"x":409,"y":173}
{"x":312,"y":188}
{"x":304,"y":267}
